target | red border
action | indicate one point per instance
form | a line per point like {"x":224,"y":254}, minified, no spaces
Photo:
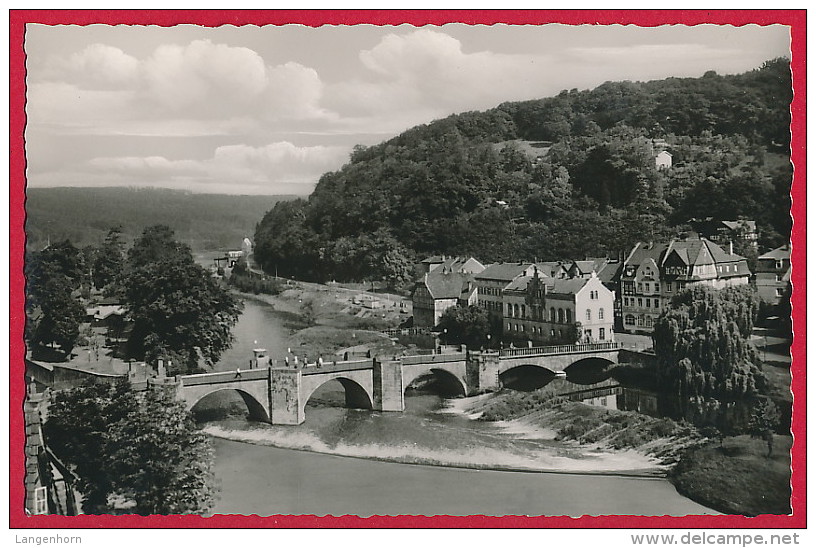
{"x":796,"y":19}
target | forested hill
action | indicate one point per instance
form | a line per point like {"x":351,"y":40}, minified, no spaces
{"x":562,"y":177}
{"x":85,"y":215}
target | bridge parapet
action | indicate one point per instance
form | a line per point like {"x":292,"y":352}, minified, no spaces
{"x":434,"y":358}
{"x":333,"y":367}
{"x":221,"y":377}
{"x":560,"y":349}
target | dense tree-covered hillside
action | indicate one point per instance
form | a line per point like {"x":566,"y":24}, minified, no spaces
{"x":567,"y":176}
{"x":85,"y":215}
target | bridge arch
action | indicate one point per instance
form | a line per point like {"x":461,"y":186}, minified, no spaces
{"x":256,"y":409}
{"x":357,"y":397}
{"x":526,"y":377}
{"x":589,"y":370}
{"x":449,"y":383}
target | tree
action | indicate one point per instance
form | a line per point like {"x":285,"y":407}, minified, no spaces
{"x":76,"y":429}
{"x":177,"y":308}
{"x":159,"y":459}
{"x":704,"y":358}
{"x":140,"y":450}
{"x":764,"y":421}
{"x":53,"y":310}
{"x":465,"y":325}
{"x":110,"y":259}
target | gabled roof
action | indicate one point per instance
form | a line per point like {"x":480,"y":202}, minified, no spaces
{"x":447,"y":285}
{"x":504,"y":272}
{"x":690,"y":252}
{"x":780,"y":253}
{"x":609,"y":271}
{"x":734,"y":225}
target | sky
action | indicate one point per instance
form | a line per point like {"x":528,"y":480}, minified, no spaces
{"x":267,"y":110}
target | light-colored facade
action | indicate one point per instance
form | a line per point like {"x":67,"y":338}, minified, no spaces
{"x":653,"y":273}
{"x":773,"y":275}
{"x":544,"y":310}
{"x":663,"y":160}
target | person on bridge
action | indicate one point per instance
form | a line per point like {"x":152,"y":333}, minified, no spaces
{"x":286,"y":361}
{"x":320,"y":361}
{"x":238,"y":373}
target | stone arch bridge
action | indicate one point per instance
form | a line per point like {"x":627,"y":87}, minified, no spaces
{"x":279,"y":395}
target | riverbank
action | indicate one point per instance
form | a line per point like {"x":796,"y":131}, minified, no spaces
{"x":732,"y":477}
{"x":738,"y":477}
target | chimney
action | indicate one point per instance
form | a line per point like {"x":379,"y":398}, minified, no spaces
{"x":731,"y":247}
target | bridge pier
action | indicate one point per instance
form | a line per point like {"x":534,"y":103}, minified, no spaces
{"x":389,"y":394}
{"x":284,"y":397}
{"x":482,"y":371}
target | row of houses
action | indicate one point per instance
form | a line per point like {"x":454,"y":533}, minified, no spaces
{"x":548,"y":302}
{"x":542,"y":303}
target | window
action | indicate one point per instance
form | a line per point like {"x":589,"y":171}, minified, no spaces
{"x":560,"y":315}
{"x":657,"y":287}
{"x":779,"y":264}
{"x":40,"y":500}
{"x":640,"y":321}
{"x":648,"y":321}
{"x":602,"y":334}
{"x":552,"y":314}
{"x":523,"y":311}
{"x":600,"y":314}
{"x":510,"y":310}
{"x":588,"y":314}
{"x":648,"y":303}
{"x":657,"y":303}
{"x":521,"y":328}
{"x":552,"y":332}
{"x":640,"y":287}
{"x":668,"y":287}
{"x":629,"y":320}
{"x":569,"y":316}
{"x":588,"y":334}
{"x":640,"y":301}
{"x":509,"y":326}
{"x":780,"y":292}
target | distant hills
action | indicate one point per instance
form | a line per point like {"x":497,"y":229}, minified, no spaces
{"x":84,"y":215}
{"x":568,"y":176}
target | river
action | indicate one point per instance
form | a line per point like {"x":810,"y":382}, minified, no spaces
{"x":341,"y":461}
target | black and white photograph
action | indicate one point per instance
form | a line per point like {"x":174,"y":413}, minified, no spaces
{"x":408,"y":270}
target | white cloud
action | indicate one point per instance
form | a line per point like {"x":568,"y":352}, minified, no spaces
{"x":98,"y":66}
{"x":204,"y":78}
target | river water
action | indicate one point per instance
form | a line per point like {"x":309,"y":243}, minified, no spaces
{"x":336,"y":462}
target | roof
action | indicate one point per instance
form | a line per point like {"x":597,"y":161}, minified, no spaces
{"x":103,"y":311}
{"x":734,"y":225}
{"x":567,"y":286}
{"x":504,"y":272}
{"x":521,"y":283}
{"x":446,"y":285}
{"x":690,"y":252}
{"x":609,"y":271}
{"x":780,"y":253}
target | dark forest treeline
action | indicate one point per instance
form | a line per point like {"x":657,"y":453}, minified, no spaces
{"x":468,"y":184}
{"x":85,"y":215}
